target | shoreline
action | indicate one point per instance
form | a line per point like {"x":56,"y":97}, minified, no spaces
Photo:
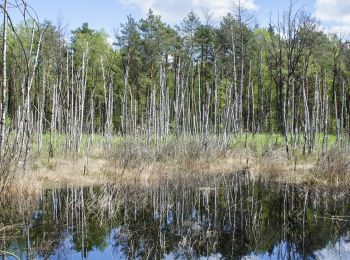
{"x":90,"y":171}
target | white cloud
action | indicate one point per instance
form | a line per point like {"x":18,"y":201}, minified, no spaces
{"x":339,"y":250}
{"x":341,"y":30}
{"x":335,"y":13}
{"x":173,"y":11}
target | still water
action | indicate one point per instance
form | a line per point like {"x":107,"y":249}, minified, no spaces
{"x":218,"y":217}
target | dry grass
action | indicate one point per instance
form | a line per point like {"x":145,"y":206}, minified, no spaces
{"x":272,"y":167}
{"x":333,"y":166}
{"x":80,"y":171}
{"x":134,"y":162}
{"x":59,"y":172}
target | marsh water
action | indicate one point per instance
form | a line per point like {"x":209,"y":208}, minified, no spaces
{"x":221,"y":217}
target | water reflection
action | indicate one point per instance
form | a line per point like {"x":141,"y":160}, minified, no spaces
{"x":217,"y":217}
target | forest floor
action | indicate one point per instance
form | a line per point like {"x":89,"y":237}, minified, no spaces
{"x":132,"y":162}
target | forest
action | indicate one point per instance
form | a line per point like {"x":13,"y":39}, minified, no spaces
{"x":208,"y":139}
{"x":151,"y":87}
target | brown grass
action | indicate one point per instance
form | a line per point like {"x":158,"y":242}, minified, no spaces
{"x":333,"y":166}
{"x":132,"y":163}
{"x":271,"y":167}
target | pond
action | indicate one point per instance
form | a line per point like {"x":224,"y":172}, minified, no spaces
{"x":217,"y":217}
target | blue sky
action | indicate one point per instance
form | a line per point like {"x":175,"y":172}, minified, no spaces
{"x":108,"y":14}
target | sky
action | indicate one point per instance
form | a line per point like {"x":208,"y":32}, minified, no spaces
{"x":109,"y":14}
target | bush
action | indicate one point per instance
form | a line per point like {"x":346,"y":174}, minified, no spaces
{"x":134,"y":152}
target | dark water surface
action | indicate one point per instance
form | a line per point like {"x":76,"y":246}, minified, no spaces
{"x":224,"y":217}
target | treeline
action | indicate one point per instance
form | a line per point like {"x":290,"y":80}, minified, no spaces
{"x":197,"y":78}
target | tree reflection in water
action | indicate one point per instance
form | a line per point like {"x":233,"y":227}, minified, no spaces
{"x":229,"y":216}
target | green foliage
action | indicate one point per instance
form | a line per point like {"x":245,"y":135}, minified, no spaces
{"x":196,"y":59}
